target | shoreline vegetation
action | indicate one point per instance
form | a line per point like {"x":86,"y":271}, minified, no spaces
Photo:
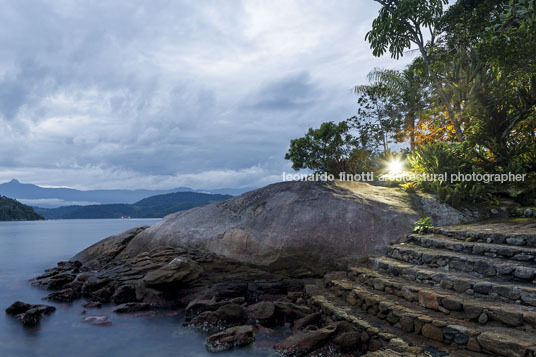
{"x":13,"y":210}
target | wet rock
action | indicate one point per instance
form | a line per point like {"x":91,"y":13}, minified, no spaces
{"x":58,"y":281}
{"x":124,"y":294}
{"x":132,"y":307}
{"x":28,"y":314}
{"x":93,"y":284}
{"x":31,"y":317}
{"x":198,"y":306}
{"x":305,"y":341}
{"x":232,"y":337}
{"x":92,"y":304}
{"x":226,"y":316}
{"x":97,"y":320}
{"x":65,"y":295}
{"x":18,"y":307}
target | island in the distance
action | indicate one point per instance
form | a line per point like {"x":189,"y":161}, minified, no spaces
{"x":151,"y":207}
{"x":13,"y":210}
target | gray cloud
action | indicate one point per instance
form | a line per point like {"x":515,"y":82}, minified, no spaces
{"x":136,"y":94}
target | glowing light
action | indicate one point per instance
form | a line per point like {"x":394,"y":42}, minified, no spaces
{"x":395,"y":166}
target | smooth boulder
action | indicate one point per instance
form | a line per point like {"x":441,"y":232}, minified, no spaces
{"x":299,"y":227}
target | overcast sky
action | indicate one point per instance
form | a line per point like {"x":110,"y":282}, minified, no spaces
{"x":160,"y":94}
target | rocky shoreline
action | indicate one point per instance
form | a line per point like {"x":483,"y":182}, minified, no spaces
{"x":228,"y":301}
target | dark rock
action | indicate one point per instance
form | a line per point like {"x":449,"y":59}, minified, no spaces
{"x":456,"y":333}
{"x":452,"y":304}
{"x":433,"y":332}
{"x":289,"y":312}
{"x":123,"y":294}
{"x":482,"y":288}
{"x":31,"y":317}
{"x":93,"y":284}
{"x":347,"y":341}
{"x":198,"y":306}
{"x":103,"y":294}
{"x":226,"y":316}
{"x":262,"y":312}
{"x":58,"y":281}
{"x":305,"y":341}
{"x":65,"y":295}
{"x":132,"y":307}
{"x":232,"y":337}
{"x":311,"y":319}
{"x":92,"y":304}
{"x":18,"y":307}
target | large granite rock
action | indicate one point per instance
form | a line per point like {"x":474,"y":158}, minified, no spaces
{"x":295,"y":226}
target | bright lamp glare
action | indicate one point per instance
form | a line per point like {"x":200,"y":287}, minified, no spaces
{"x":395,"y":166}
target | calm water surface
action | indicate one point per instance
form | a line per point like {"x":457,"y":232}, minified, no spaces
{"x":27,"y":248}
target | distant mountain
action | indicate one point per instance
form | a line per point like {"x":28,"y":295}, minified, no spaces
{"x":46,"y":197}
{"x":12,"y":210}
{"x":151,"y":207}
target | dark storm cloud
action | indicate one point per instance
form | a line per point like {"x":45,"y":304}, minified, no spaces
{"x":293,"y":92}
{"x":163,"y":94}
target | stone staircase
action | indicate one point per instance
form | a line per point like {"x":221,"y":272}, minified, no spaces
{"x":464,"y":290}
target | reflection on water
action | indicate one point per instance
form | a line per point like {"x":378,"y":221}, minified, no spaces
{"x":27,"y":248}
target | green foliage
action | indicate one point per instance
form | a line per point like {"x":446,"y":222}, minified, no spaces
{"x":422,"y":225}
{"x":410,"y":187}
{"x":12,"y":210}
{"x":327,"y":149}
{"x":448,"y":159}
{"x":401,"y":22}
{"x":378,"y":119}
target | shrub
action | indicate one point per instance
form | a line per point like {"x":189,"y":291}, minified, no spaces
{"x":450,"y":158}
{"x":422,"y":225}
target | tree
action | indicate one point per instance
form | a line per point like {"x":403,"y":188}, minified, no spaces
{"x":327,"y":149}
{"x":409,"y":93}
{"x":403,"y":22}
{"x":378,"y":119}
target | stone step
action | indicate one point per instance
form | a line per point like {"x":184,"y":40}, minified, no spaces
{"x":388,"y":336}
{"x":516,"y":233}
{"x":505,"y":251}
{"x":413,"y":319}
{"x":501,"y":269}
{"x":509,"y":292}
{"x":332,"y":308}
{"x":480,"y":310}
